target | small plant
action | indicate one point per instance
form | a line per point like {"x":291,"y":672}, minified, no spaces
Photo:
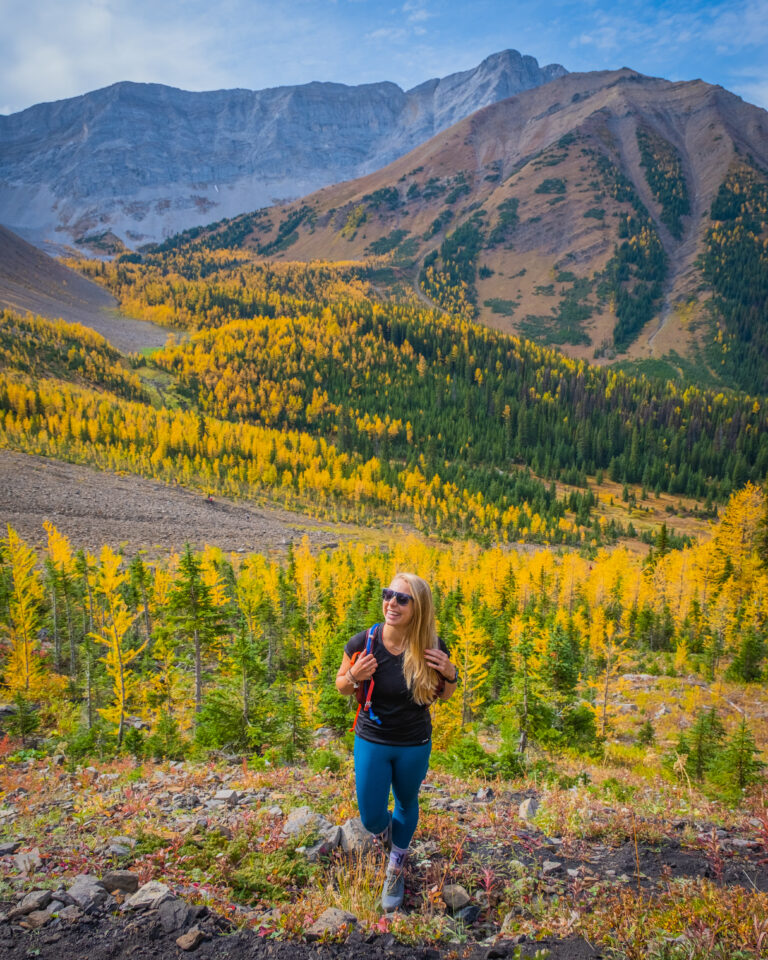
{"x":325,"y":760}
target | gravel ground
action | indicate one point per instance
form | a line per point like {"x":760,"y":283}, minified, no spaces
{"x":93,"y":508}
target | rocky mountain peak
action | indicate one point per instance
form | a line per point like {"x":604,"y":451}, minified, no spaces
{"x":146,"y":160}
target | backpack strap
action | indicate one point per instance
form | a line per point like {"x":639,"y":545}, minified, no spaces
{"x":368,"y":685}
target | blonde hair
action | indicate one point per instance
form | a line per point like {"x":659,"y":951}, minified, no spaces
{"x":422,"y":680}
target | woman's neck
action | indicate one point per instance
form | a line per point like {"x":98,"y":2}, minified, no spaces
{"x":395,"y":640}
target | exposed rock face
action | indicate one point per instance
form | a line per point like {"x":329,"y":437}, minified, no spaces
{"x":145,"y":160}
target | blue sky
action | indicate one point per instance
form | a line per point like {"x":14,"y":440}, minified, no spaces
{"x":51,"y":49}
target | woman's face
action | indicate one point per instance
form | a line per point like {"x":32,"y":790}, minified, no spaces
{"x":394,"y":614}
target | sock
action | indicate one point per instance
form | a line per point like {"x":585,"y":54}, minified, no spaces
{"x":397,"y":858}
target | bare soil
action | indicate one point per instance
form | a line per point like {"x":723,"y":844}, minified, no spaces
{"x":93,"y":508}
{"x":144,"y":937}
{"x":33,"y":282}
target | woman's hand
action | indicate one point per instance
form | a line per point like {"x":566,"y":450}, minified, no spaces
{"x":364,"y":667}
{"x":441,"y":662}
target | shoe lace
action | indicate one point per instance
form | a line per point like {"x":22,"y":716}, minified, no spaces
{"x":393,"y":881}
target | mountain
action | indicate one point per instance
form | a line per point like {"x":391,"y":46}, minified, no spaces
{"x":610,"y":214}
{"x":145,"y":160}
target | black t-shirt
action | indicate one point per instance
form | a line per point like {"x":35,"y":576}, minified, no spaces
{"x":403,"y":721}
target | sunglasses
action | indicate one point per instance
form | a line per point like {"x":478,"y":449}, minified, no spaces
{"x":403,"y":599}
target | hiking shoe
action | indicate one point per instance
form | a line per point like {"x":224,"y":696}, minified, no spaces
{"x":393,"y":892}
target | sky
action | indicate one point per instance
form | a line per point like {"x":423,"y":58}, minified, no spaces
{"x":51,"y":50}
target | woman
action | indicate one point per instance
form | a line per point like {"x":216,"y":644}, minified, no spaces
{"x":402,"y":667}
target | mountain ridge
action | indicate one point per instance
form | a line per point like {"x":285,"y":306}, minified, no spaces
{"x":555,"y":187}
{"x":126,"y":157}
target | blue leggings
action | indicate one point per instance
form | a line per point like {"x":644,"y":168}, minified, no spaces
{"x":379,"y":766}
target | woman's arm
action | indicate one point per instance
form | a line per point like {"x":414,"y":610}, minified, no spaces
{"x":440,"y":661}
{"x":349,"y":675}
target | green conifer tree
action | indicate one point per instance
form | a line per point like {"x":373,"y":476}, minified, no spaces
{"x":737,"y":766}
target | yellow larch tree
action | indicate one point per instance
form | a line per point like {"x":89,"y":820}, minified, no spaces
{"x":23,"y":673}
{"x":62,"y":564}
{"x":116,"y":624}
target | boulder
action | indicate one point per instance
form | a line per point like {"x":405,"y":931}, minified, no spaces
{"x":192,"y":939}
{"x":355,"y":839}
{"x":87,"y":892}
{"x":304,"y":820}
{"x":329,"y":840}
{"x":36,"y":919}
{"x":148,"y":897}
{"x":29,"y":861}
{"x":70,"y":913}
{"x":36,"y":900}
{"x":330,"y":922}
{"x":174,"y":915}
{"x":528,"y":808}
{"x":122,"y":880}
{"x":550,"y":866}
{"x":229,"y":797}
{"x":455,"y":896}
{"x":467,"y":914}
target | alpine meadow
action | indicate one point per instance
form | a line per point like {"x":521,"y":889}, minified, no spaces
{"x":515,"y":345}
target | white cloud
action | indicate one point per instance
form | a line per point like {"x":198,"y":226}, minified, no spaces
{"x":416,"y":11}
{"x":388,"y":33}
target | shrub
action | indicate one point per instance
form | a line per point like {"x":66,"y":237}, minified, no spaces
{"x":324,"y":759}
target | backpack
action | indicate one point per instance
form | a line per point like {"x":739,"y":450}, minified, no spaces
{"x":364,"y":692}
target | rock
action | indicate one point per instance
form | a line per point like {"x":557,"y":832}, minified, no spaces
{"x":192,"y":939}
{"x":173,"y":915}
{"x":230,"y":797}
{"x":122,"y":880}
{"x":304,"y":820}
{"x":29,"y":861}
{"x":327,"y":844}
{"x":528,"y":808}
{"x":324,"y":733}
{"x":70,"y":913}
{"x":36,"y":919}
{"x":148,"y":897}
{"x":330,"y":921}
{"x":355,"y":839}
{"x":87,"y":892}
{"x":6,"y":849}
{"x":124,"y":841}
{"x":118,"y":850}
{"x":274,"y":811}
{"x":573,"y":873}
{"x":455,"y":896}
{"x":550,"y":866}
{"x":467,"y":914}
{"x":36,"y":900}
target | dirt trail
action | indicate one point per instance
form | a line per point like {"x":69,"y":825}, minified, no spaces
{"x":93,"y":508}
